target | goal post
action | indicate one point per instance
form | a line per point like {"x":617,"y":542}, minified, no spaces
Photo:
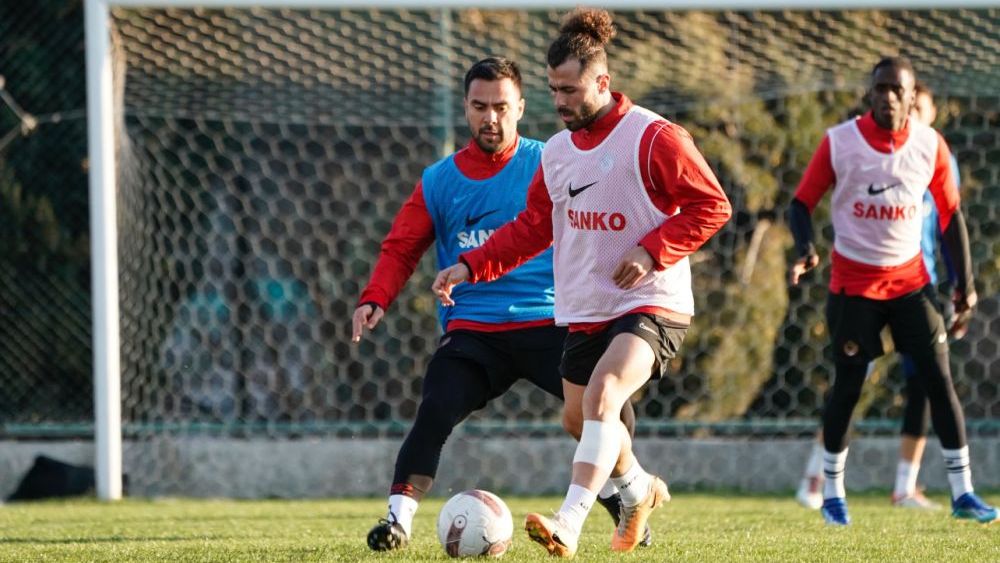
{"x":104,"y":254}
{"x":245,"y":166}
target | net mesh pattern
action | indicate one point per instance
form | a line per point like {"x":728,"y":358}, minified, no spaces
{"x":264,"y":153}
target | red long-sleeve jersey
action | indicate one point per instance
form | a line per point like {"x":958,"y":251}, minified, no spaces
{"x":676,"y":177}
{"x":856,"y":278}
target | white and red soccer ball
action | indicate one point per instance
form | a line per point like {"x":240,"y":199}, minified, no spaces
{"x":474,"y":523}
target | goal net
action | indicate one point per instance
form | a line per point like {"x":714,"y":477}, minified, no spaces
{"x":263,"y":153}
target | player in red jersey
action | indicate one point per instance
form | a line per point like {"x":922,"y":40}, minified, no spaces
{"x":624,"y":198}
{"x":879,"y":166}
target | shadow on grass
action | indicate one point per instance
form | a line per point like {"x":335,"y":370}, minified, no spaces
{"x":109,"y":539}
{"x":193,"y":520}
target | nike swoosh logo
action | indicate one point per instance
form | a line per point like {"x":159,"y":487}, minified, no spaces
{"x":872,"y":190}
{"x":471,"y":220}
{"x":576,"y":192}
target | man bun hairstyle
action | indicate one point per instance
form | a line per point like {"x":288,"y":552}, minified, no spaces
{"x":493,"y":68}
{"x":583,"y":35}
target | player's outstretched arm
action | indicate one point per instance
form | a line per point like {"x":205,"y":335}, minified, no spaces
{"x":447,"y":279}
{"x":367,"y":315}
{"x":411,"y":235}
{"x":518,"y":241}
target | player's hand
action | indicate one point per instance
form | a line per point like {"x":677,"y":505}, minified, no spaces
{"x":365,"y":316}
{"x":801,"y":266}
{"x":447,"y":279}
{"x":964,"y":304}
{"x":633,"y":267}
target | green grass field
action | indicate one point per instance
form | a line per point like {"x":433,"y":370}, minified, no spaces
{"x":693,"y":527}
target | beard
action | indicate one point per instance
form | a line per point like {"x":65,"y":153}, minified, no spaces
{"x":586,"y":115}
{"x":490,"y":143}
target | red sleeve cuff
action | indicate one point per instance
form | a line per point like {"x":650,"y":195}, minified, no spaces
{"x":374,"y":297}
{"x":471,"y":262}
{"x":651,"y":242}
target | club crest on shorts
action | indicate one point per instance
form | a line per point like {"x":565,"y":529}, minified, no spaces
{"x":851,"y":348}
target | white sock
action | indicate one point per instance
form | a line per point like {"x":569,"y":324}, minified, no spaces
{"x":814,"y":467}
{"x":576,"y":506}
{"x":906,"y":478}
{"x":959,"y":473}
{"x":401,"y":510}
{"x":833,"y":471}
{"x":633,"y":485}
{"x":608,"y":490}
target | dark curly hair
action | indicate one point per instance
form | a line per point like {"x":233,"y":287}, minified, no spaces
{"x":583,"y":35}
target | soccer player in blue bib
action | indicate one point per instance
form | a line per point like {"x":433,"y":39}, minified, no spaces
{"x":504,"y":330}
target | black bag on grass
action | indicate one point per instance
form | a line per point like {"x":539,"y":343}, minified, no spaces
{"x":51,"y":478}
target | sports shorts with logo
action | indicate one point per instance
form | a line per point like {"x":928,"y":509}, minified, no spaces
{"x":856,"y":324}
{"x":583,"y":350}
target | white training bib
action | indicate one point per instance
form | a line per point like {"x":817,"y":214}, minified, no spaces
{"x":600,"y":211}
{"x":877,"y":203}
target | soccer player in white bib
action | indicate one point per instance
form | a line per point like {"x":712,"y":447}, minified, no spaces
{"x":879,"y":167}
{"x":916,"y":412}
{"x":624,"y":198}
{"x":504,"y":331}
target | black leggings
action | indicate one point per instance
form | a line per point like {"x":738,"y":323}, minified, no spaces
{"x":917,"y":410}
{"x":453,"y":389}
{"x":468,"y":370}
{"x":917,"y":330}
{"x":946,"y":412}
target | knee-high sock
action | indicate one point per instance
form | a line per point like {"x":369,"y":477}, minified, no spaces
{"x":959,"y":473}
{"x":833,"y":469}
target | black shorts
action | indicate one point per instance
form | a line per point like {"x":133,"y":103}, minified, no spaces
{"x":584,"y":350}
{"x":856,"y":324}
{"x":504,"y":357}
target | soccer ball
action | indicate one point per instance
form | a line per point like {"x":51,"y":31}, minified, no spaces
{"x":475,"y":523}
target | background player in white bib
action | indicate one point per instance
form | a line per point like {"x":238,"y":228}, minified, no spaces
{"x":916,"y":413}
{"x":879,"y":166}
{"x":624,"y":197}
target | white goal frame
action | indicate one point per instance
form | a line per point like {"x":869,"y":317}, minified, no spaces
{"x":101,"y":153}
